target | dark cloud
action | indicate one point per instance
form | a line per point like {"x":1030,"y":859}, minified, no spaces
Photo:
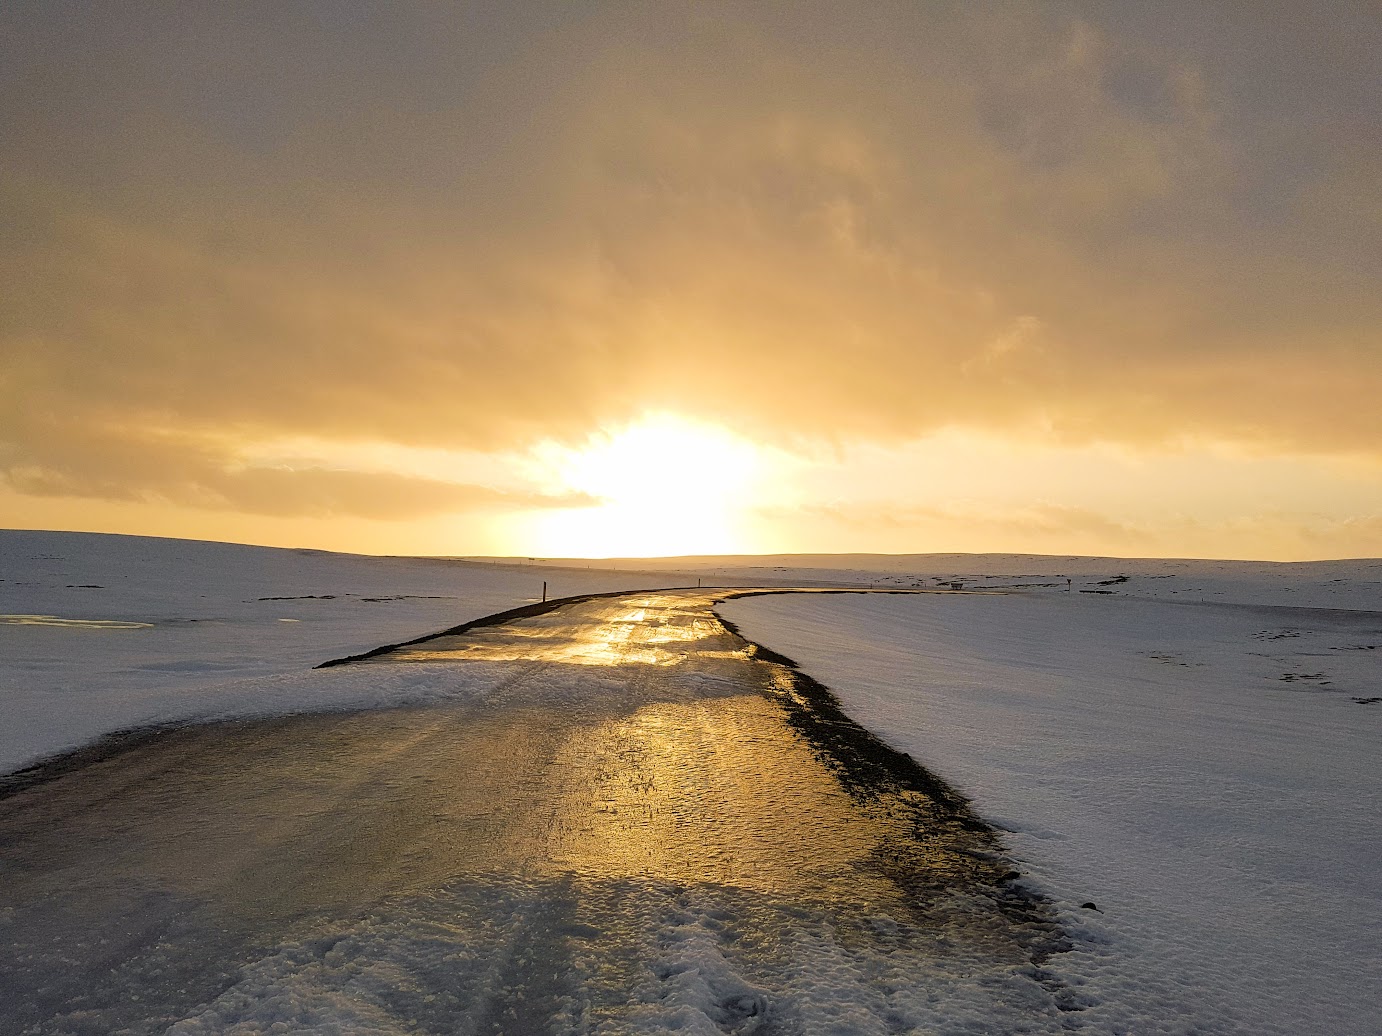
{"x":472,"y":228}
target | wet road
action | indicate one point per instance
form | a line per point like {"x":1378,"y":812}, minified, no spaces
{"x":637,"y":823}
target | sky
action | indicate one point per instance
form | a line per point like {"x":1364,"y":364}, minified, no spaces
{"x":600,"y":279}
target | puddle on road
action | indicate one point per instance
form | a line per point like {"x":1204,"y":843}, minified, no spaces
{"x":696,"y":811}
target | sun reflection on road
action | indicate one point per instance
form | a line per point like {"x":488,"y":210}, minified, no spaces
{"x":626,"y":637}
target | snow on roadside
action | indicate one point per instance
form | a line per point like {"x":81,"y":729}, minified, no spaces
{"x":1200,"y":772}
{"x":1318,"y":584}
{"x":103,"y":633}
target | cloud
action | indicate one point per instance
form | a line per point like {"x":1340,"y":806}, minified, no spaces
{"x":1047,"y":528}
{"x":131,"y":465}
{"x":887,"y":526}
{"x":474,"y":235}
{"x":301,"y":493}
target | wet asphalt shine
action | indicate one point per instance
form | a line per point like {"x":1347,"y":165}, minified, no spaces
{"x":637,"y":786}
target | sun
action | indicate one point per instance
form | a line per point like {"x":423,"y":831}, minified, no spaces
{"x":666,"y":485}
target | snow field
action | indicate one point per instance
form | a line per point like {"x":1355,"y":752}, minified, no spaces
{"x":1152,"y":758}
{"x":104,"y":633}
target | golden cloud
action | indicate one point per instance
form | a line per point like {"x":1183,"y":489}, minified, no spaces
{"x":864,"y":227}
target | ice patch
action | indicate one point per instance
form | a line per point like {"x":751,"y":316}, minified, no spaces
{"x":86,"y":624}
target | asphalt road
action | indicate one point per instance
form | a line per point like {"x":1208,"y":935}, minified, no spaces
{"x":641,"y":788}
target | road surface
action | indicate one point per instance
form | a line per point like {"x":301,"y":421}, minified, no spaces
{"x":645,"y":823}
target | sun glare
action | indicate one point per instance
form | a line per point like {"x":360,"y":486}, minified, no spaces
{"x":666,"y":486}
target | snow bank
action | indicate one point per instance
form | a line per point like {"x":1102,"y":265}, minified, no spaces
{"x":1203,"y":773}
